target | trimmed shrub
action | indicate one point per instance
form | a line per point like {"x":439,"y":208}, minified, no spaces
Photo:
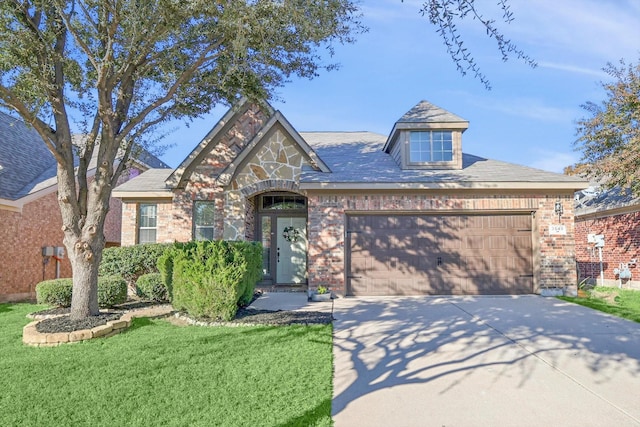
{"x":56,"y":292}
{"x":150,"y":286}
{"x":210,"y":278}
{"x":112,"y":290}
{"x":165,"y":264}
{"x":131,"y":262}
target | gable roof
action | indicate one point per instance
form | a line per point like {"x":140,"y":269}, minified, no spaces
{"x":181,"y":174}
{"x":276,"y":120}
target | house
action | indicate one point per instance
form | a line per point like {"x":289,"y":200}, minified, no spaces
{"x":30,"y":218}
{"x":363,"y":213}
{"x":608,"y":236}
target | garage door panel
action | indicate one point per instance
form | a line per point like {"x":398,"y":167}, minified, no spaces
{"x":429,"y":254}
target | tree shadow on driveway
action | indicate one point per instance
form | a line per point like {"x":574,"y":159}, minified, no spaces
{"x":410,"y":356}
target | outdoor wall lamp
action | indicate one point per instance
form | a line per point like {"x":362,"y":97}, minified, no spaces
{"x":558,"y":209}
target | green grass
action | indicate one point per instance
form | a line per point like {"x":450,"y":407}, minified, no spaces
{"x":623,"y":303}
{"x":158,"y":374}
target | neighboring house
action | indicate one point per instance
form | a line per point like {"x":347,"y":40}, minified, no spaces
{"x":615,"y":215}
{"x":363,"y":213}
{"x":30,"y":218}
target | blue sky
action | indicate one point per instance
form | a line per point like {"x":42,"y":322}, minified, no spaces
{"x":527,"y":118}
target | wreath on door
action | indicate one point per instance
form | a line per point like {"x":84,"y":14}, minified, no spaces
{"x":291,"y":234}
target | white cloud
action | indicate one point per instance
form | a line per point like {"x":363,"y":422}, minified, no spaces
{"x":593,"y":28}
{"x":553,"y":161}
{"x":573,"y":69}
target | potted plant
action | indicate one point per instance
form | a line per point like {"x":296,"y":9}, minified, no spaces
{"x":322,"y":293}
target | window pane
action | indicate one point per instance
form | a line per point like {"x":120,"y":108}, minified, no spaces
{"x":266,"y":245}
{"x":430,"y":146}
{"x":148,"y":215}
{"x":203,"y":220}
{"x":203,"y":233}
{"x":281,"y":202}
{"x":147,"y":235}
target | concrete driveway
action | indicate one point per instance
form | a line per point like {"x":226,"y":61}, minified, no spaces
{"x":483,"y":361}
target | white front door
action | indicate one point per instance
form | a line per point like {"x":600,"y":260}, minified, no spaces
{"x":291,"y":250}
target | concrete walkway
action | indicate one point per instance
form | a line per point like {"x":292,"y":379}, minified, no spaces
{"x":483,"y":361}
{"x":290,"y":301}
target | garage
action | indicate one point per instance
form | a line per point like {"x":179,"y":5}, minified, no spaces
{"x":439,"y":254}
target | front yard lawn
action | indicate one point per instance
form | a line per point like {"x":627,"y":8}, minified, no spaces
{"x":159,"y":374}
{"x":623,"y":303}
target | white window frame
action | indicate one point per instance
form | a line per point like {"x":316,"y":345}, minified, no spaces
{"x":141,"y":208}
{"x":431,"y":151}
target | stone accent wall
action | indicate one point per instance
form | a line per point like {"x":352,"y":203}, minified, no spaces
{"x":622,"y":244}
{"x":327,"y":216}
{"x":275,"y":165}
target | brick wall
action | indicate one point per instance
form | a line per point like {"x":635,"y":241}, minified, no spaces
{"x":22,"y":236}
{"x":327,"y":217}
{"x":622,"y":244}
{"x":175,"y":222}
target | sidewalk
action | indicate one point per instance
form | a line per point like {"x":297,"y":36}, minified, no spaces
{"x":289,"y":301}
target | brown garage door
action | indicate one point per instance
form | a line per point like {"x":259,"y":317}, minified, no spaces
{"x":440,"y":255}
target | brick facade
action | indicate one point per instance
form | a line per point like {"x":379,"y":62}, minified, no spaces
{"x":622,"y":244}
{"x":327,"y":217}
{"x":273,"y":161}
{"x":22,"y":236}
{"x":38,"y":224}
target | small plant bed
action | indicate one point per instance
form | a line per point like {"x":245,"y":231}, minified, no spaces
{"x":158,"y":374}
{"x":251,"y":317}
{"x":623,"y":303}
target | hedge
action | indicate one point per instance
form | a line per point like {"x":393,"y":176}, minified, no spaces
{"x":112,"y":290}
{"x":150,"y":286}
{"x":211,"y":278}
{"x":56,"y":292}
{"x":131,"y":262}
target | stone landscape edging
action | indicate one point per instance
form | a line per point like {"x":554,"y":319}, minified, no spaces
{"x":31,"y":336}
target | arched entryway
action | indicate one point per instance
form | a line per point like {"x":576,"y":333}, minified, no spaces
{"x":281,"y":226}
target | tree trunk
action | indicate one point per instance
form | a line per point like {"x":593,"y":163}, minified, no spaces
{"x":84,"y":300}
{"x":84,"y":239}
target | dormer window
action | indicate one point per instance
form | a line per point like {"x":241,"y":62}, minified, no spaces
{"x":430,"y":146}
{"x":427,"y":137}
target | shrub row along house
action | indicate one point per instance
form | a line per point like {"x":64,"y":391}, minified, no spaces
{"x":363,"y":213}
{"x":30,"y":220}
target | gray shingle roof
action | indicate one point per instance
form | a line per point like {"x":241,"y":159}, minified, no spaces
{"x":357,"y":157}
{"x":426,"y":112}
{"x":152,"y":180}
{"x":24,"y":158}
{"x":596,"y":200}
{"x":27,"y":166}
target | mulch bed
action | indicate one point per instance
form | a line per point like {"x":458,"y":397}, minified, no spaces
{"x":63,"y":323}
